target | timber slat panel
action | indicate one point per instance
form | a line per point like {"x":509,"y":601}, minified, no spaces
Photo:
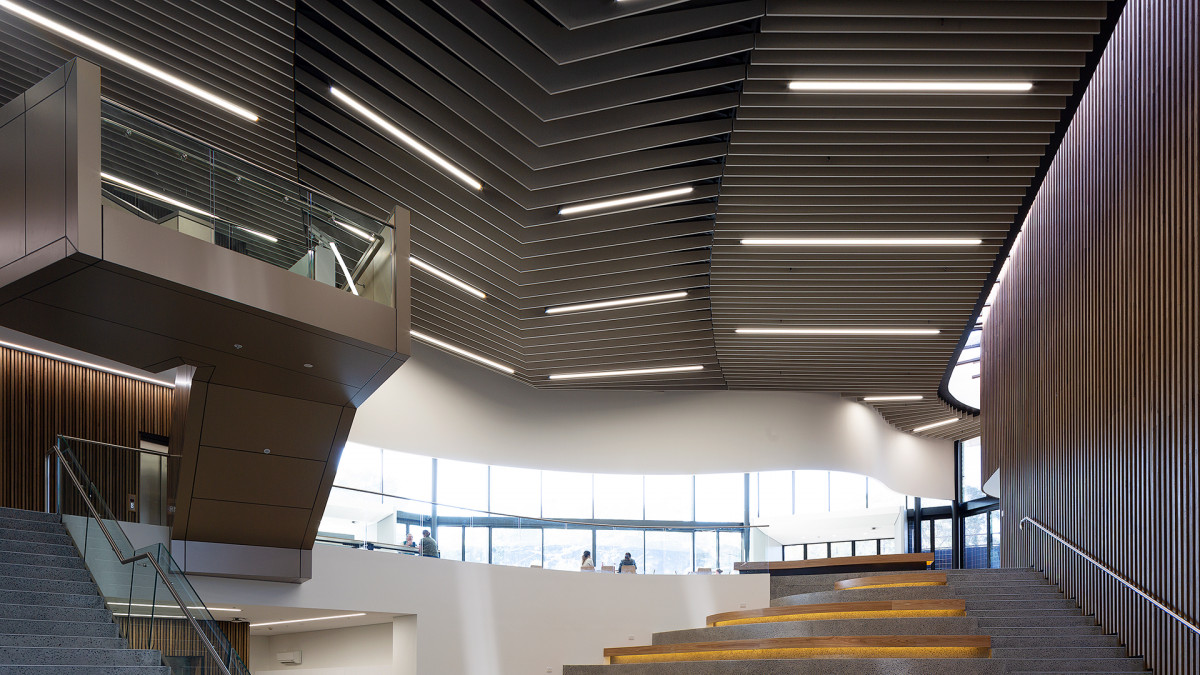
{"x":924,"y":578}
{"x":948,"y":605}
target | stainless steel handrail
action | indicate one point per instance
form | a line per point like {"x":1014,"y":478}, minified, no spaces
{"x":113,"y":445}
{"x":1110,"y":572}
{"x":62,"y":462}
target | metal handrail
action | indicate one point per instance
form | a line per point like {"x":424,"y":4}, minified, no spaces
{"x":62,"y":463}
{"x":1110,"y":572}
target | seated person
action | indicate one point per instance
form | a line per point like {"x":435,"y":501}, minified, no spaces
{"x":628,"y":564}
{"x":588,"y":563}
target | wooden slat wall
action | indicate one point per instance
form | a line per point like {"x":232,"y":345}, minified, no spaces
{"x":176,"y":638}
{"x":1091,"y":373}
{"x":41,"y":397}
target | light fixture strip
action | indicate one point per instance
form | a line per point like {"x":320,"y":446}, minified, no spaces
{"x":624,"y":373}
{"x":358,"y":232}
{"x":461,"y":352}
{"x":112,"y":603}
{"x":85,"y":364}
{"x":882,"y":242}
{"x":133,"y":62}
{"x":153,"y":194}
{"x":909,"y":85}
{"x":625,"y":201}
{"x":406,"y":139}
{"x":935,"y":425}
{"x":345,"y":270}
{"x":447,"y":278}
{"x":837,"y":331}
{"x":261,"y":235}
{"x":641,"y":299}
{"x":884,"y":399}
{"x":315,"y":618}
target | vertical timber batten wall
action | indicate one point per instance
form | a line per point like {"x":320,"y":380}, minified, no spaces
{"x":1091,"y":377}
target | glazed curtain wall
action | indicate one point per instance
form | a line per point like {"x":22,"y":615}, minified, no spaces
{"x":1090,"y":380}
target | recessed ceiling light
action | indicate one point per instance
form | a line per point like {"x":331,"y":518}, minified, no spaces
{"x":641,"y":299}
{"x":261,"y":235}
{"x":862,"y":242}
{"x":345,"y":270}
{"x":315,"y":618}
{"x":360,"y":233}
{"x":154,"y":194}
{"x":100,"y":47}
{"x":623,"y":373}
{"x":935,"y":425}
{"x":85,"y":364}
{"x":406,"y":139}
{"x":906,"y":85}
{"x":447,"y":278}
{"x":624,"y":201}
{"x":882,"y":399}
{"x":462,"y":352}
{"x":838,"y":331}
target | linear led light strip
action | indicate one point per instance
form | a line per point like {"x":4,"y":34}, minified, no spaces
{"x":838,"y":331}
{"x":140,"y":604}
{"x":315,"y":618}
{"x":261,"y":235}
{"x":406,"y":139}
{"x":625,"y":201}
{"x":151,"y":193}
{"x":862,"y":242}
{"x":623,"y":373}
{"x":641,"y":299}
{"x":882,"y":399}
{"x":360,"y":233}
{"x":906,"y":85}
{"x":935,"y":425}
{"x":85,"y":364}
{"x":345,"y":270}
{"x":447,"y":278}
{"x":462,"y":352}
{"x":153,"y":71}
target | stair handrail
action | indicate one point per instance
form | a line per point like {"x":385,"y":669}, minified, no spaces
{"x":1110,"y":572}
{"x":145,"y":555}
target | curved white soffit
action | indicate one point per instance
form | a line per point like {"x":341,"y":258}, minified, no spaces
{"x":442,"y":406}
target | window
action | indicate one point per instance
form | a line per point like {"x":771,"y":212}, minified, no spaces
{"x":563,"y":548}
{"x":706,"y":550}
{"x":475,"y":544}
{"x":669,"y":498}
{"x":462,"y":484}
{"x":774,"y":493}
{"x":994,"y":549}
{"x":731,"y":550}
{"x":516,"y":547}
{"x":793,"y":552}
{"x":847,"y":491}
{"x":668,"y":552}
{"x":975,"y":542}
{"x":566,"y":495}
{"x":887,"y":546}
{"x":880,"y":496}
{"x":817,"y":551}
{"x":612,"y":545}
{"x":618,"y":497}
{"x":866,"y":547}
{"x":972,"y":470}
{"x":450,"y":542}
{"x":812,"y":492}
{"x":408,"y":476}
{"x":840,"y":549}
{"x":720,"y":497}
{"x":516,"y":492}
{"x":360,"y":467}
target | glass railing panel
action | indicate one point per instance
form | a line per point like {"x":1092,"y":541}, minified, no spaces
{"x":165,"y":176}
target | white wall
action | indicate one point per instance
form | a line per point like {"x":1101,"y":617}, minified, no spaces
{"x":443,"y":406}
{"x":360,"y":650}
{"x":476,"y":619}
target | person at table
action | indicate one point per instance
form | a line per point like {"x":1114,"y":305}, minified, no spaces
{"x":628,"y":564}
{"x":429,"y":547}
{"x":588,"y":564}
{"x":408,"y":540}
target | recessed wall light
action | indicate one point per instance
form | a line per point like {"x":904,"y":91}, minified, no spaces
{"x":315,"y":618}
{"x":838,"y":331}
{"x":424,"y":150}
{"x":625,"y":201}
{"x":154,"y":194}
{"x":862,"y":242}
{"x":447,"y":278}
{"x":623,"y":373}
{"x":462,"y":352}
{"x":85,"y":364}
{"x":261,"y":235}
{"x":935,"y":425}
{"x":116,"y":54}
{"x":883,"y":399}
{"x":603,"y":304}
{"x":337,"y":255}
{"x":907,"y":85}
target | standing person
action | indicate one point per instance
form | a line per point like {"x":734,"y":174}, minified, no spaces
{"x":429,"y":547}
{"x":587,"y":564}
{"x":629,"y":562}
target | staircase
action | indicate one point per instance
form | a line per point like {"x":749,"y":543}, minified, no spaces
{"x":927,"y":623}
{"x":52,"y":616}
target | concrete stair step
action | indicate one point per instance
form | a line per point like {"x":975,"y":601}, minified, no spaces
{"x":10,"y":523}
{"x":105,"y":629}
{"x":1126,"y":665}
{"x":1054,"y":642}
{"x":61,"y":641}
{"x":71,"y":561}
{"x":46,"y":599}
{"x":1014,"y":589}
{"x":47,"y":585}
{"x":813,"y":666}
{"x":1022,"y":605}
{"x":43,"y":613}
{"x":21,"y":514}
{"x":892,"y":593}
{"x":86,"y":670}
{"x":1017,"y":611}
{"x":1043,"y":631}
{"x":1060,"y":652}
{"x":9,"y":568}
{"x":34,"y":656}
{"x":58,"y":538}
{"x":934,"y":625}
{"x":40,"y":547}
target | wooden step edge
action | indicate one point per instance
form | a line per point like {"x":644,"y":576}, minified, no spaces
{"x":893,"y":580}
{"x":897,"y":608}
{"x":854,"y":646}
